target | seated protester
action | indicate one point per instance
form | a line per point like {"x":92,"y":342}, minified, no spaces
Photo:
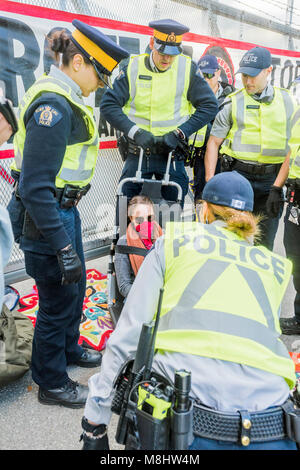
{"x":142,"y":232}
{"x":219,"y":320}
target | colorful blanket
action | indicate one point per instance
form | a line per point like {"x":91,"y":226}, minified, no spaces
{"x":96,"y":324}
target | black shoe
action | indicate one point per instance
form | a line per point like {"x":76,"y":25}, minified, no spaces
{"x":71,"y":395}
{"x":289,"y":326}
{"x":89,"y":358}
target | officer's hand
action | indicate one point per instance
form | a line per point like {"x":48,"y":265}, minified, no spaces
{"x":274,"y":201}
{"x":172,"y":140}
{"x":144,"y":139}
{"x":94,"y":436}
{"x":70,"y":265}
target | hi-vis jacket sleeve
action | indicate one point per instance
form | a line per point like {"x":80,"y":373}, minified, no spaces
{"x":139,"y":308}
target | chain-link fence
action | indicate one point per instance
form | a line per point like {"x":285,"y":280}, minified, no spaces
{"x":213,"y":19}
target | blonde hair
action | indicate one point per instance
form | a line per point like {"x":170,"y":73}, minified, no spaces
{"x":243,"y":223}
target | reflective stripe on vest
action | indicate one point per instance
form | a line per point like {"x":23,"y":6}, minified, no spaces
{"x":80,"y":159}
{"x":260,"y":131}
{"x":222,"y":299}
{"x":158,"y":101}
{"x":200,"y":137}
{"x":294,"y":143}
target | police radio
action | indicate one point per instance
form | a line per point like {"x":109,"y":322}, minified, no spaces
{"x":155,"y":414}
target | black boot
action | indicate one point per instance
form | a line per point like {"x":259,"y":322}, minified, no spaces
{"x":94,"y":437}
{"x":71,"y":395}
{"x":89,"y":358}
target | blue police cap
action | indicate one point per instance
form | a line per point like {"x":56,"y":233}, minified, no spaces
{"x":208,"y":64}
{"x":254,"y":61}
{"x":229,"y":189}
{"x":102,"y":51}
{"x":168,"y":36}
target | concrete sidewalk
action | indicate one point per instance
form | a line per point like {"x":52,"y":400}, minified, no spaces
{"x":25,"y":424}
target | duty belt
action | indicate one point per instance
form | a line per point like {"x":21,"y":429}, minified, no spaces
{"x":244,"y":427}
{"x":157,"y":149}
{"x":69,"y":195}
{"x":255,"y":168}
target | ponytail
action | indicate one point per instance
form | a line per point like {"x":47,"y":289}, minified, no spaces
{"x":60,"y":42}
{"x":242,"y":223}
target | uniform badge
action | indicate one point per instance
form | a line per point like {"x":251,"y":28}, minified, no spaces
{"x":47,"y":116}
{"x":171,"y":37}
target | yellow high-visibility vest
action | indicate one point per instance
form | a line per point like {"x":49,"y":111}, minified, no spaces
{"x":79,"y":161}
{"x":294,"y":172}
{"x":260,"y":131}
{"x":222,"y":297}
{"x":200,"y":137}
{"x":158,"y":101}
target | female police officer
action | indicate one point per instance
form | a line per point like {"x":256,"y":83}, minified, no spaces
{"x":219,"y":320}
{"x":55,"y":155}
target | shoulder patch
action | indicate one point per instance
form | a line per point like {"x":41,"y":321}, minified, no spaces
{"x":47,"y":116}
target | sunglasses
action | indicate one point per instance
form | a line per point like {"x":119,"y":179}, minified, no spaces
{"x":208,"y":75}
{"x":140,"y":220}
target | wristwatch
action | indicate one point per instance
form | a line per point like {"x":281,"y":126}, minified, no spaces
{"x":180,"y":133}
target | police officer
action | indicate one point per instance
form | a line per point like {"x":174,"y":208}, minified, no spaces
{"x":211,"y":71}
{"x":227,"y":337}
{"x":56,"y":149}
{"x":151,"y":98}
{"x":291,"y":239}
{"x":6,"y":235}
{"x":252,"y":133}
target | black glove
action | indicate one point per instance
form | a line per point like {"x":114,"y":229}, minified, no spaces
{"x":274,"y":201}
{"x":172,"y":140}
{"x":98,"y":440}
{"x":175,"y":141}
{"x":70,"y":265}
{"x":144,"y":139}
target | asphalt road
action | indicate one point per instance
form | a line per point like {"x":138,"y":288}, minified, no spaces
{"x":25,"y":424}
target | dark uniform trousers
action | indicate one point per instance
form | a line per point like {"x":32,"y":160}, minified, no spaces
{"x":55,"y":342}
{"x":261,"y":185}
{"x":291,"y":240}
{"x":155,"y":165}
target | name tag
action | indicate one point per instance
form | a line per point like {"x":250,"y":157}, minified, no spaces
{"x":252,"y":106}
{"x":145,"y":77}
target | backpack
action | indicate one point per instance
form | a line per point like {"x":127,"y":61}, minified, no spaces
{"x":16,"y":335}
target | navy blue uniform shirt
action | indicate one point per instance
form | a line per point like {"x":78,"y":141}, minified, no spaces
{"x":199,"y":94}
{"x":44,"y":150}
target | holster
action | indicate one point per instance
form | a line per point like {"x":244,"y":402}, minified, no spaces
{"x":30,"y":230}
{"x":70,"y":195}
{"x":227,"y":162}
{"x":122,"y":143}
{"x":293,"y":191}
